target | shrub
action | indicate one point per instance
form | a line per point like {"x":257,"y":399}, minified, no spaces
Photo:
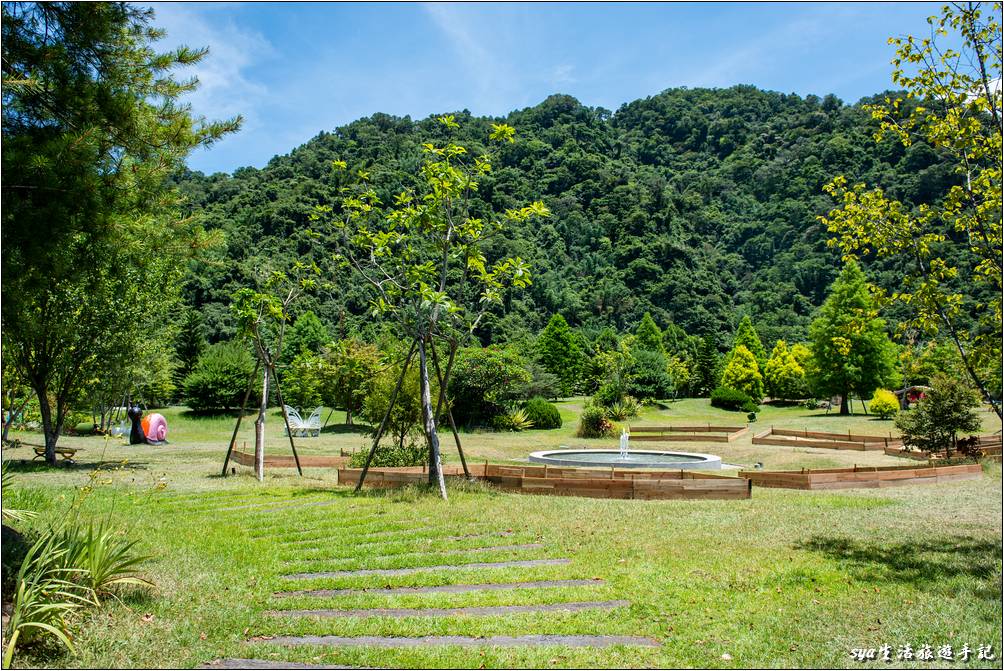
{"x":609,"y":393}
{"x":621,"y":410}
{"x":731,"y":399}
{"x":647,"y":376}
{"x":220,"y":378}
{"x":935,"y":422}
{"x":407,"y":452}
{"x":513,"y":419}
{"x":593,"y":423}
{"x":544,"y":415}
{"x":484,"y":382}
{"x":884,"y":403}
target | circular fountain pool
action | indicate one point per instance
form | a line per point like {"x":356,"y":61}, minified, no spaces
{"x":633,"y":459}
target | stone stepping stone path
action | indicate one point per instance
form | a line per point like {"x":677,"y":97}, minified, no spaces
{"x":573,"y":641}
{"x":238,"y":663}
{"x":445,"y":589}
{"x":424,"y":553}
{"x":448,"y":612}
{"x":353,"y":533}
{"x":422,"y":569}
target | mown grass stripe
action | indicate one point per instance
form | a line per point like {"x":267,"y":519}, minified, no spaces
{"x":449,"y":612}
{"x":420,"y":569}
{"x":446,"y":589}
{"x":570,"y":641}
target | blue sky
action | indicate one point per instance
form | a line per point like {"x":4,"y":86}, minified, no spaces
{"x":294,"y":69}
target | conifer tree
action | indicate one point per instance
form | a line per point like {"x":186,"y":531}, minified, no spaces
{"x":784,"y":376}
{"x":648,"y":337}
{"x":743,"y":373}
{"x":707,"y":366}
{"x":559,"y":352}
{"x":747,"y":336}
{"x":850,"y":349}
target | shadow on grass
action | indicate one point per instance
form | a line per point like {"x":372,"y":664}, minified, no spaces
{"x":922,"y":563}
{"x":214,"y":414}
{"x":364,"y":429}
{"x":40,"y":466}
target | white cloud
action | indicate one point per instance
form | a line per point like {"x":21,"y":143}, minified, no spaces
{"x":224,"y":87}
{"x":488,"y":74}
{"x":563,"y":74}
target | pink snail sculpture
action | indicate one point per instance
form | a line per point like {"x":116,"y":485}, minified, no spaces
{"x":155,"y":428}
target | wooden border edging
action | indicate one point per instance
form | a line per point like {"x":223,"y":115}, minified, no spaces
{"x":705,"y":433}
{"x":556,"y":481}
{"x":872,"y":476}
{"x":825,"y":440}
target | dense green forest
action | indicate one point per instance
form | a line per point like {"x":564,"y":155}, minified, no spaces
{"x":696,"y":205}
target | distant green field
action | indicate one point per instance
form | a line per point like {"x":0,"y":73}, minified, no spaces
{"x":788,"y":578}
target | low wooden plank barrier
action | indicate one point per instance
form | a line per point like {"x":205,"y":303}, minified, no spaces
{"x":555,"y":481}
{"x":990,"y":446}
{"x":859,"y":476}
{"x":287,"y":461}
{"x":825,"y":440}
{"x":705,"y":433}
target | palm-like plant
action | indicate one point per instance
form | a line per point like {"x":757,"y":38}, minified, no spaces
{"x":45,"y":596}
{"x":104,"y":558}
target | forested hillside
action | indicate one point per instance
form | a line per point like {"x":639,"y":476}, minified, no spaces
{"x":696,"y":205}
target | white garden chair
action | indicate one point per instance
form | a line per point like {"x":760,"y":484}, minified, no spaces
{"x":296,"y":424}
{"x":312,"y":427}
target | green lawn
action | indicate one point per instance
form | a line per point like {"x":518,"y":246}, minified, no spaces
{"x":788,"y":578}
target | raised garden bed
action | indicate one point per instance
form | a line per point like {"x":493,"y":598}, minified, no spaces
{"x":703,"y":433}
{"x":825,"y":440}
{"x":610,"y":483}
{"x":860,"y":476}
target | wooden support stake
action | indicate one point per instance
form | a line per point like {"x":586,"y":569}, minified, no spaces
{"x":443,"y":381}
{"x":285,"y":418}
{"x":244,"y":403}
{"x":386,"y":416}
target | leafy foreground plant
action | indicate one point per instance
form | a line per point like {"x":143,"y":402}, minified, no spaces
{"x":45,"y":597}
{"x":102,"y":558}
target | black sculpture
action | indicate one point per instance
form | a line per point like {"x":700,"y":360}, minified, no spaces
{"x":136,"y":435}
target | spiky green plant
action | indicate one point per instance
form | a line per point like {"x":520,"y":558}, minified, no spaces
{"x":104,"y":558}
{"x":45,"y":597}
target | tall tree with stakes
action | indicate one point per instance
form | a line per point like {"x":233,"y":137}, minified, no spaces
{"x":947,"y":244}
{"x":93,"y":127}
{"x":424,"y":261}
{"x":261,"y":318}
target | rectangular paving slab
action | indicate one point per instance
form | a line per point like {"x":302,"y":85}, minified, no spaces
{"x":419,"y":553}
{"x":448,"y":612}
{"x":449,"y":589}
{"x":237,"y":663}
{"x":421,"y":569}
{"x":573,"y":641}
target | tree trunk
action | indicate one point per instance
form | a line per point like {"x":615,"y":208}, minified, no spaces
{"x":844,"y":410}
{"x":9,"y":419}
{"x":435,"y":465}
{"x":259,"y":429}
{"x":51,"y":427}
{"x":348,"y":416}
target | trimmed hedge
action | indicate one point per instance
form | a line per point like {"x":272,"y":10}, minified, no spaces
{"x":543,"y":414}
{"x":727,"y":398}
